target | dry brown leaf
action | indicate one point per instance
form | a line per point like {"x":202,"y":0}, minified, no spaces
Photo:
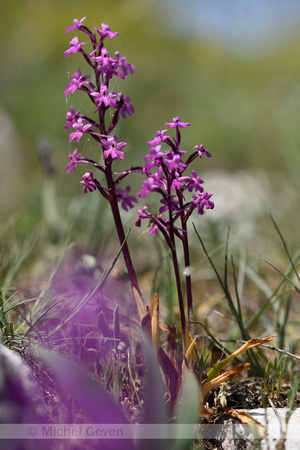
{"x":165,"y":327}
{"x":209,"y":385}
{"x":140,"y":304}
{"x":191,"y":354}
{"x":213,"y":372}
{"x":146,"y":324}
{"x":206,"y":412}
{"x":190,"y":359}
{"x":247,"y":419}
{"x":154,"y":313}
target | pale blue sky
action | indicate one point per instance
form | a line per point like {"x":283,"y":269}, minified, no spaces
{"x":236,"y":23}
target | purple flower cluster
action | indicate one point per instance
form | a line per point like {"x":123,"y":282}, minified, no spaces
{"x":104,"y":67}
{"x":181,"y":193}
{"x":166,"y":166}
{"x":166,"y":175}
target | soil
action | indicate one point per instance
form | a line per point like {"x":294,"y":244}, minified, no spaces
{"x":246,"y":394}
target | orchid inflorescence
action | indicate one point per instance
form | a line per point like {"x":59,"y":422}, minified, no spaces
{"x":165,"y":167}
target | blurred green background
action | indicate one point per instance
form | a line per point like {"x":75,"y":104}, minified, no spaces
{"x":232,"y":71}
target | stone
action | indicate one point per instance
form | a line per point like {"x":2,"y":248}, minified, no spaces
{"x":21,"y":401}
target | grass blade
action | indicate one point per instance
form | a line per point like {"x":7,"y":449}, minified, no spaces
{"x":284,"y":276}
{"x":285,"y":247}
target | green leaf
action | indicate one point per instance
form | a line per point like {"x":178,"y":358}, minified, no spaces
{"x":155,"y":408}
{"x":186,"y":410}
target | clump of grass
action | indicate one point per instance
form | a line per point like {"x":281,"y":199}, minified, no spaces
{"x":273,"y":378}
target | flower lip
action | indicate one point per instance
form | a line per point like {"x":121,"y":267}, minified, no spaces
{"x":88,"y":182}
{"x":159,"y":137}
{"x":125,"y":199}
{"x":177,"y":123}
{"x":201,"y":151}
{"x":106,"y":31}
{"x":74,"y":46}
{"x":113,"y":148}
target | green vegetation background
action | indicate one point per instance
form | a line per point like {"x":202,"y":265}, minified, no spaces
{"x":243,"y":108}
